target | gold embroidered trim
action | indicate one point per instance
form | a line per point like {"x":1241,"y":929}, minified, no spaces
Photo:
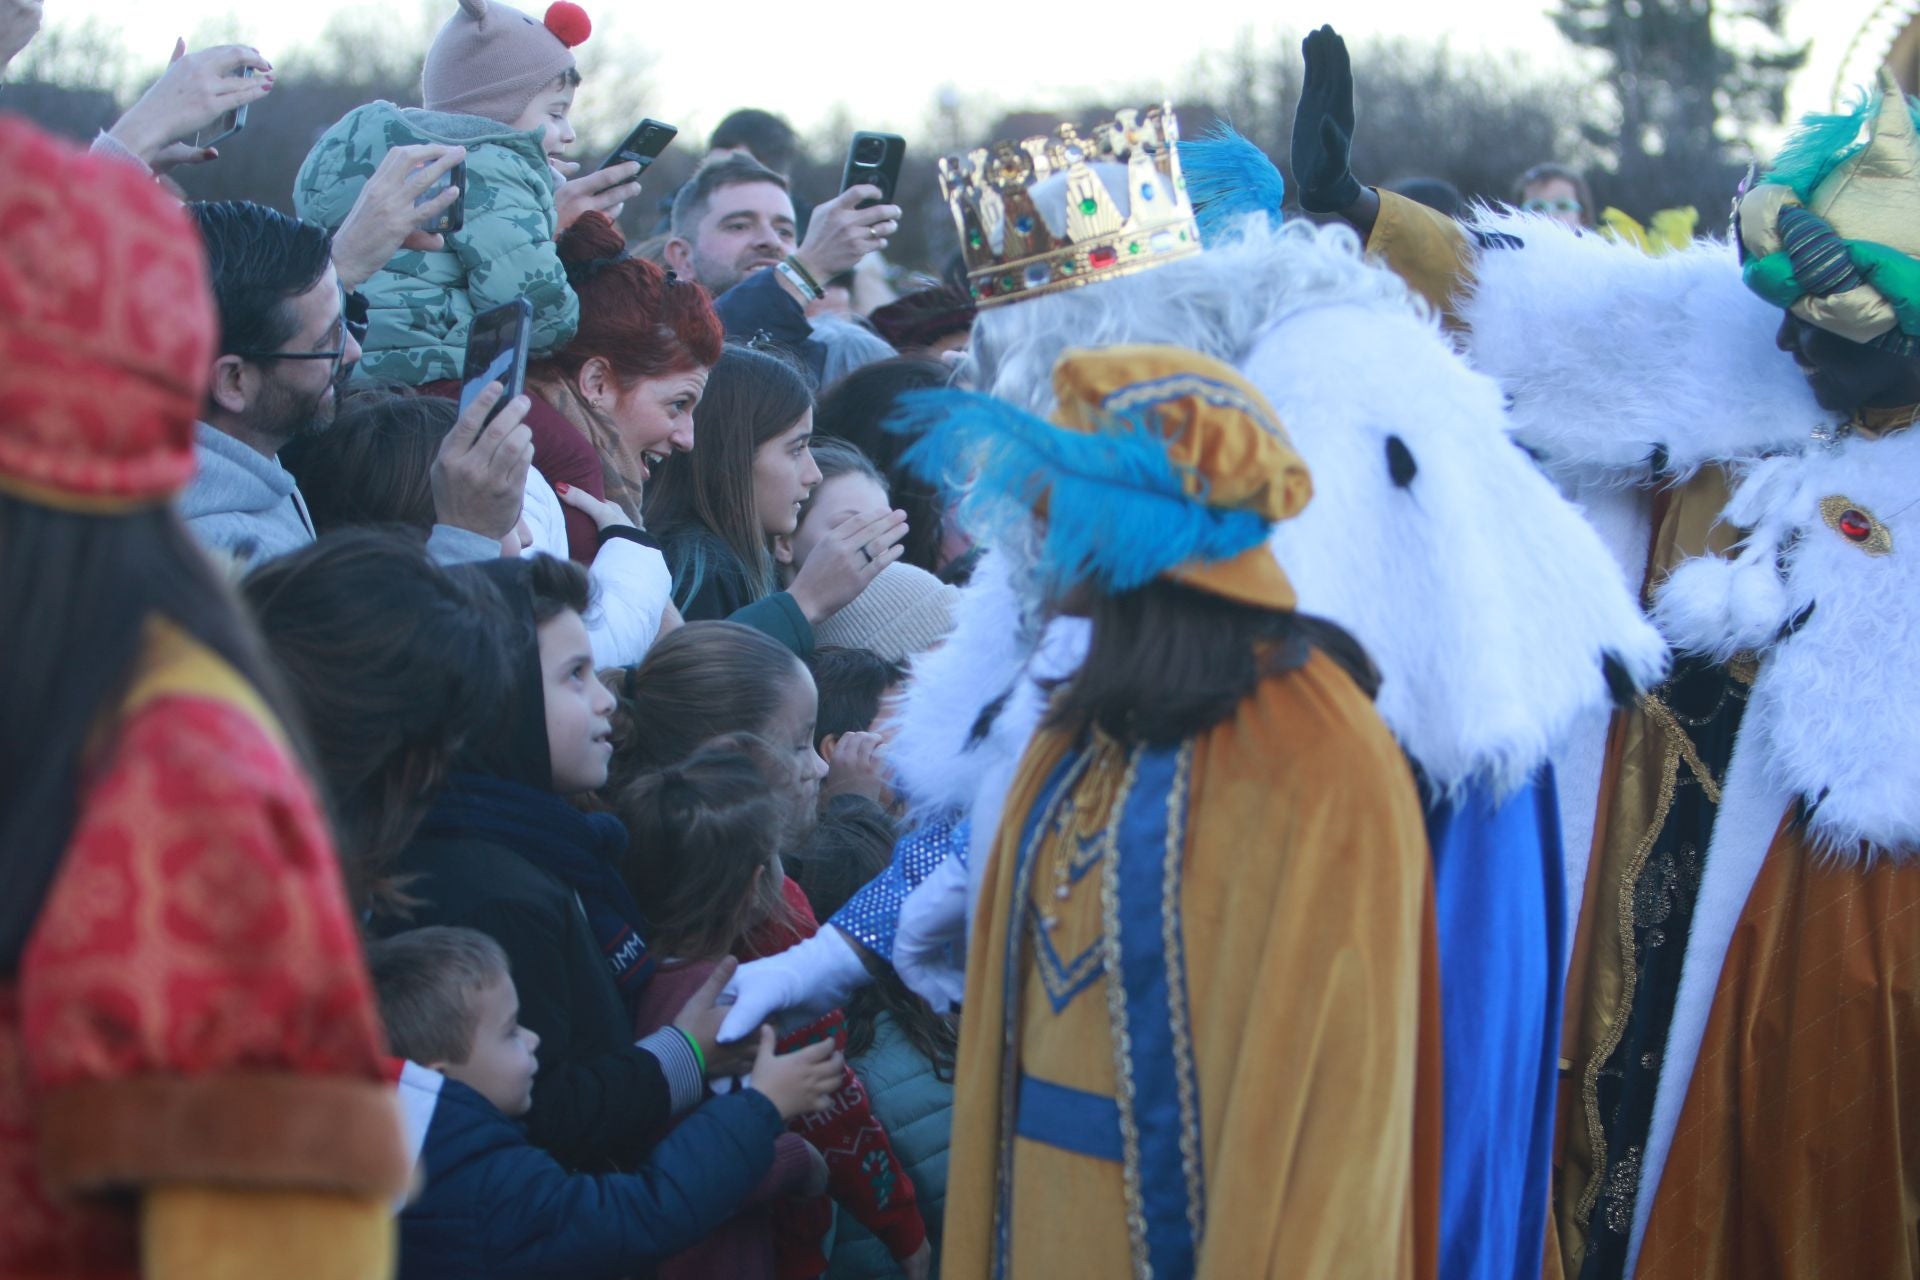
{"x":1658,"y":714}
{"x":1122,"y":1034}
{"x":1175,"y":951}
{"x":1661,"y":714}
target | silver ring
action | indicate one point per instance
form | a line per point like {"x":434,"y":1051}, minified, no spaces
{"x":868,"y":554}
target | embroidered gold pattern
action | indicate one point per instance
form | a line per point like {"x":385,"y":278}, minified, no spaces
{"x":1122,"y":1035}
{"x":1175,"y":951}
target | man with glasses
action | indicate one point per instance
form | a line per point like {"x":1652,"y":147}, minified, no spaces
{"x":288,"y":340}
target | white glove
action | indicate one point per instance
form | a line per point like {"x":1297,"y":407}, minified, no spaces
{"x":930,"y":944}
{"x":812,"y":977}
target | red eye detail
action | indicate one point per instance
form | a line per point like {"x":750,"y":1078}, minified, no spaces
{"x":1855,"y":526}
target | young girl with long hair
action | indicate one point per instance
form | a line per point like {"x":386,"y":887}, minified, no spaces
{"x":717,"y":508}
{"x":705,"y":681}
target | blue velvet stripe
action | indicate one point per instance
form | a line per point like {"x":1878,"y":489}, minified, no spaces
{"x":1144,"y":905}
{"x":1500,"y":912}
{"x":1071,"y":1119}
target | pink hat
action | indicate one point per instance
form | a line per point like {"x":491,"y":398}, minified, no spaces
{"x":490,"y":59}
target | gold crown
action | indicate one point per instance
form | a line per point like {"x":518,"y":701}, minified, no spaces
{"x":990,"y":191}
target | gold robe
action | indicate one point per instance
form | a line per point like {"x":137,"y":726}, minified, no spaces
{"x":1290,"y":876}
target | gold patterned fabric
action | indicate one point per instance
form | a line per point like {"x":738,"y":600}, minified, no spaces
{"x":1302,"y":895}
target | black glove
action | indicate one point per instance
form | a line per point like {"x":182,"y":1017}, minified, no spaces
{"x":1323,"y":126}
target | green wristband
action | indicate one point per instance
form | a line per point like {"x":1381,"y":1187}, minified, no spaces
{"x":694,"y":1045}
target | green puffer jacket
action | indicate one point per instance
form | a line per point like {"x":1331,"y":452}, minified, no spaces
{"x":915,"y":1107}
{"x":422,"y":304}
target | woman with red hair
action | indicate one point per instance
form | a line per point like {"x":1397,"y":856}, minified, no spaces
{"x":623,"y":391}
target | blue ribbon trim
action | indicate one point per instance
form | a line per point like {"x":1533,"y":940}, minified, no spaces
{"x":1071,"y":1119}
{"x":1158,"y":1099}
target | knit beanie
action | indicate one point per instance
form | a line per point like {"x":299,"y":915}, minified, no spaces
{"x":903,"y":612}
{"x":490,"y":59}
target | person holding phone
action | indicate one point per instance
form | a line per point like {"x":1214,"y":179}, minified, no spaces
{"x":733,"y":230}
{"x":498,"y":85}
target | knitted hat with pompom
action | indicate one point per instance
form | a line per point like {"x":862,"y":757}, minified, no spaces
{"x":490,"y":59}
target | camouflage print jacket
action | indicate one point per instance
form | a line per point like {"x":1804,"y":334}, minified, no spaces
{"x":422,"y":303}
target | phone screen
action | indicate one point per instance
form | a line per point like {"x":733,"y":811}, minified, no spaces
{"x":453,"y":217}
{"x":497,"y":352}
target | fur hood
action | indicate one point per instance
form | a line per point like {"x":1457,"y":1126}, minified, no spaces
{"x":1826,"y":591}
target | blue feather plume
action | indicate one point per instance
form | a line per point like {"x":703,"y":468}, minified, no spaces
{"x":1118,"y":510}
{"x":1229,"y":178}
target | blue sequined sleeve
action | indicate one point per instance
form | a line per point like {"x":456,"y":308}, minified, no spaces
{"x":871,"y":915}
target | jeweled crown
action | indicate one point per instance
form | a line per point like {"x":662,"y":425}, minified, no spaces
{"x":1011,"y":252}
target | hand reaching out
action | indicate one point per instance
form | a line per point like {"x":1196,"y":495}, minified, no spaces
{"x":839,"y":234}
{"x":195,"y":91}
{"x":604,"y":514}
{"x":602,"y":191}
{"x":798,"y":1083}
{"x":858,"y":769}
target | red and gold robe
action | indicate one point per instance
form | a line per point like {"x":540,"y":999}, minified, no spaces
{"x":191,"y":1033}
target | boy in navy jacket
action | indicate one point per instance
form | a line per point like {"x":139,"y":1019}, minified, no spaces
{"x":494,"y":1205}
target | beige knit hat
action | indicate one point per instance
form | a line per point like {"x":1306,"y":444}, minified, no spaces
{"x":903,"y":612}
{"x":490,"y":59}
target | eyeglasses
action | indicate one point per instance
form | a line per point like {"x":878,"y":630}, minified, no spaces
{"x":353,"y":324}
{"x":1552,"y":206}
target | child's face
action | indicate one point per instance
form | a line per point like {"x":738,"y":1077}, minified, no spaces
{"x":783,"y":475}
{"x":579,"y":732}
{"x":791,"y":732}
{"x":548,"y":113}
{"x":500,"y":1067}
{"x":836,"y":500}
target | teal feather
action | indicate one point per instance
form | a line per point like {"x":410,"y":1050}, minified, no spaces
{"x":1822,"y":143}
{"x":1228,"y":178}
{"x":1118,"y":510}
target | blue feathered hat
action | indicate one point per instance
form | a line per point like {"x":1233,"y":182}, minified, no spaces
{"x":1160,"y":462}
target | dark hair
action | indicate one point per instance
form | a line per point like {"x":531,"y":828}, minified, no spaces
{"x":259,"y":259}
{"x":770,"y":139}
{"x":374,"y":465}
{"x":395,"y":665}
{"x":1168,"y":661}
{"x":1589,"y":216}
{"x":855,"y":410}
{"x":700,"y":682}
{"x":80,"y":591}
{"x":690,"y":204}
{"x":853,"y":844}
{"x":852,"y":683}
{"x":699,"y":832}
{"x":925,"y":316}
{"x":632,"y":315}
{"x":556,"y":586}
{"x":1436,"y":193}
{"x":752,"y":397}
{"x":425,"y":981}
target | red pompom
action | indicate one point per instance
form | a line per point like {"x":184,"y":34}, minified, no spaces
{"x":569,"y":22}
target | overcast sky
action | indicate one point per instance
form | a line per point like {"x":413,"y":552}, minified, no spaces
{"x":886,"y":62}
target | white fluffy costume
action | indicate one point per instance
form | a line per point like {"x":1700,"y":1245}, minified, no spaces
{"x":1743,"y":1012}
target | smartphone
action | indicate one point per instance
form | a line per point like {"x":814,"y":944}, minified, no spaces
{"x":643,"y":146}
{"x":230,"y":123}
{"x":874,"y":158}
{"x":497,"y":352}
{"x":454,"y":216}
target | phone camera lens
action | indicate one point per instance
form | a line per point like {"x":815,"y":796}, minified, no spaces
{"x":870,"y":151}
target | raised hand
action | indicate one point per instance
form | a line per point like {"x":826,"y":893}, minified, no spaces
{"x":387,"y":217}
{"x":196,"y":90}
{"x":840,"y":233}
{"x":798,"y":1083}
{"x":1323,"y":127}
{"x":479,"y":477}
{"x":858,"y":768}
{"x":601,"y":191}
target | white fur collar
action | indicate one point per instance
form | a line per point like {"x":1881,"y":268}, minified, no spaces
{"x":1834,"y":708}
